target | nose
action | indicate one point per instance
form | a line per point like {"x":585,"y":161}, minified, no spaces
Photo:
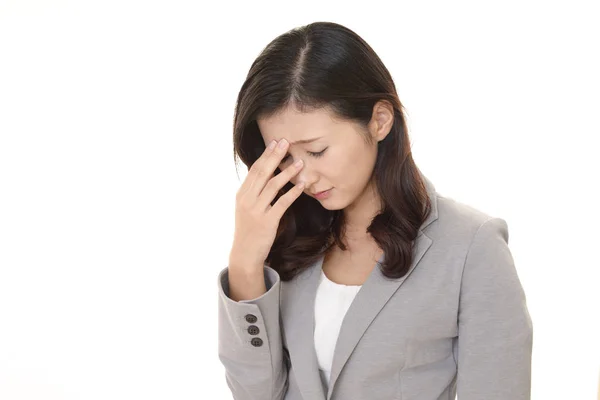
{"x":306,"y":175}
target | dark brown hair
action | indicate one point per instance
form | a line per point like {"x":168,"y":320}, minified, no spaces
{"x":325,"y":65}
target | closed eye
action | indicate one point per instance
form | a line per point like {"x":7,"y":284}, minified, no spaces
{"x":316,"y":155}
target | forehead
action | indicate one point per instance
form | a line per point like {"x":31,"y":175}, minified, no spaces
{"x":294,"y":125}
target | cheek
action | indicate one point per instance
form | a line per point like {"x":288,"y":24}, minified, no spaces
{"x":344,"y":165}
{"x":354,"y":169}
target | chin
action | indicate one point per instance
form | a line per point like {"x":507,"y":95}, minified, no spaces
{"x":330,"y":205}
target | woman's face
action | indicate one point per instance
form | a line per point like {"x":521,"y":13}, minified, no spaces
{"x":338,"y":158}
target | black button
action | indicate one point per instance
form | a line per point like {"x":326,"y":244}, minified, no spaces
{"x":256,"y":342}
{"x":251,"y":318}
{"x":253,"y":330}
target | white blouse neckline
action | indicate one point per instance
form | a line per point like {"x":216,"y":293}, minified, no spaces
{"x":335,"y":284}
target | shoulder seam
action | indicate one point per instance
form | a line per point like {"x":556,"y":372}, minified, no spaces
{"x":462,"y":272}
{"x":473,"y":239}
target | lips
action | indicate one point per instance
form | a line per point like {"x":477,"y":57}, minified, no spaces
{"x":314,"y":194}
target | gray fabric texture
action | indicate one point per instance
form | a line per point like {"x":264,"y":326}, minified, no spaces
{"x":456,"y":324}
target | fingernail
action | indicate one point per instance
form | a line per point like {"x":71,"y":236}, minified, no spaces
{"x":282,"y":143}
{"x":272,"y":145}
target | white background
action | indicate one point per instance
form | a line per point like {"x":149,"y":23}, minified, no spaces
{"x":117,"y":180}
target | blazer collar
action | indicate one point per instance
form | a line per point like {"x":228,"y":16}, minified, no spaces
{"x":369,"y":300}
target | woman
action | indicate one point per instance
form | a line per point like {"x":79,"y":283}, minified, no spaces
{"x":378,"y":288}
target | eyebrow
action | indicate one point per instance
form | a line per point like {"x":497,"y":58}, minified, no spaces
{"x":305,"y":141}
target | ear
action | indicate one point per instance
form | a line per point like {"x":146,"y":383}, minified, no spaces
{"x":381,"y":120}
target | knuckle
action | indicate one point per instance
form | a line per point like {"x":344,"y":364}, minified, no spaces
{"x":260,"y":173}
{"x":272,"y":184}
{"x":278,"y":150}
{"x":292,"y":170}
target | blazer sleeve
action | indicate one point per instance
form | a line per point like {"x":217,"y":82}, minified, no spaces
{"x":250,"y":343}
{"x":495,"y":331}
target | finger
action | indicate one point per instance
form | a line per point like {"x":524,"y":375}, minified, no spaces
{"x":285,"y":201}
{"x":265,"y":170}
{"x":275,"y":185}
{"x":258,"y":165}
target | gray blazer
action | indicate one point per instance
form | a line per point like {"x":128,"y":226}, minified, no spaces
{"x":457,"y":323}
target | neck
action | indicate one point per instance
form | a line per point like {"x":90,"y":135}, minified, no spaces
{"x":360,"y":214}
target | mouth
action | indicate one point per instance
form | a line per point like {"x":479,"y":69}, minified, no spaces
{"x":323,"y":194}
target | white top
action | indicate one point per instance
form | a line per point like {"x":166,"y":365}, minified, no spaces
{"x":331,"y":304}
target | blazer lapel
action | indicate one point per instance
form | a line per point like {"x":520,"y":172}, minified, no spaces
{"x":370,"y":299}
{"x":373,"y":295}
{"x":299,"y":331}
